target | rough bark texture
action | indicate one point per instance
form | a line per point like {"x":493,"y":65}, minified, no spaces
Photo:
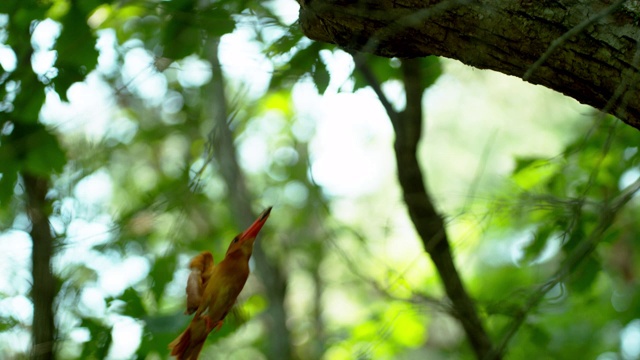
{"x":43,"y":290}
{"x":589,"y":48}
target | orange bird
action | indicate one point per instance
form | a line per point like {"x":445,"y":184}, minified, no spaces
{"x":212,"y":290}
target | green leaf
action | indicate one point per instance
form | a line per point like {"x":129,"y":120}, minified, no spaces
{"x":156,"y":342}
{"x":409,"y":327}
{"x":101,"y":339}
{"x":175,"y":6}
{"x":181,"y":34}
{"x":29,"y":101}
{"x":431,"y":70}
{"x":537,"y":245}
{"x":577,"y":235}
{"x":24,"y":14}
{"x":88,"y":6}
{"x":383,"y":69}
{"x":524,"y":162}
{"x":585,"y":274}
{"x":557,"y":184}
{"x":80,"y":275}
{"x":44,"y":156}
{"x":180,"y":40}
{"x":8,"y":324}
{"x":132,"y":20}
{"x":10,"y":165}
{"x":539,"y":336}
{"x":32,"y":148}
{"x":216,"y":21}
{"x":286,"y":43}
{"x":7,"y":183}
{"x":162,"y":274}
{"x":300,"y":64}
{"x":533,"y":172}
{"x":76,"y":49}
{"x":321,"y":76}
{"x":8,"y":6}
{"x":133,"y":304}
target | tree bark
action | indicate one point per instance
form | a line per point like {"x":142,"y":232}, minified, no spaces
{"x":43,"y":290}
{"x":587,"y":50}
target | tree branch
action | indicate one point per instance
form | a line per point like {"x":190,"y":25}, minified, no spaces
{"x":505,"y":36}
{"x":428,"y":223}
{"x":555,"y":44}
{"x":369,"y":76}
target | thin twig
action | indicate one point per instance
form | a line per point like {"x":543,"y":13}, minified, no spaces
{"x":585,"y":249}
{"x":484,"y":157}
{"x":361,"y":65}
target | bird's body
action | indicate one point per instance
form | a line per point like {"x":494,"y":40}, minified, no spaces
{"x":212,"y":290}
{"x":219,"y":296}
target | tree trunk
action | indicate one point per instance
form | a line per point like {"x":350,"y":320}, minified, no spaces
{"x":272,"y":276}
{"x":587,"y":50}
{"x":44,"y":284}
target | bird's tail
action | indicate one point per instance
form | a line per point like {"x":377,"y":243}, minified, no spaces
{"x":189,"y":344}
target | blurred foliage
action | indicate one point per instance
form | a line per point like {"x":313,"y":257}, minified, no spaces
{"x":561,"y":200}
{"x":133,"y":203}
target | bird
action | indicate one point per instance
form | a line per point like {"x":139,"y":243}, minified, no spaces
{"x":212,"y":290}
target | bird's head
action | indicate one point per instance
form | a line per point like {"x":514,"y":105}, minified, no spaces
{"x":244,"y":240}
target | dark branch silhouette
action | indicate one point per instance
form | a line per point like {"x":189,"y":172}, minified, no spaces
{"x":427,"y":221}
{"x":44,"y":286}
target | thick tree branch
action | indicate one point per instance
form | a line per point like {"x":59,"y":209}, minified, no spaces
{"x":428,"y":223}
{"x":584,"y":49}
{"x":576,"y":30}
{"x":273,"y":279}
{"x":43,"y":290}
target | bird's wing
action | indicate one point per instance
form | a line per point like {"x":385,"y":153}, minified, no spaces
{"x":201,"y":268}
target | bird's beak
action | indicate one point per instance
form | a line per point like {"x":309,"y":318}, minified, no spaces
{"x":254,"y":229}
